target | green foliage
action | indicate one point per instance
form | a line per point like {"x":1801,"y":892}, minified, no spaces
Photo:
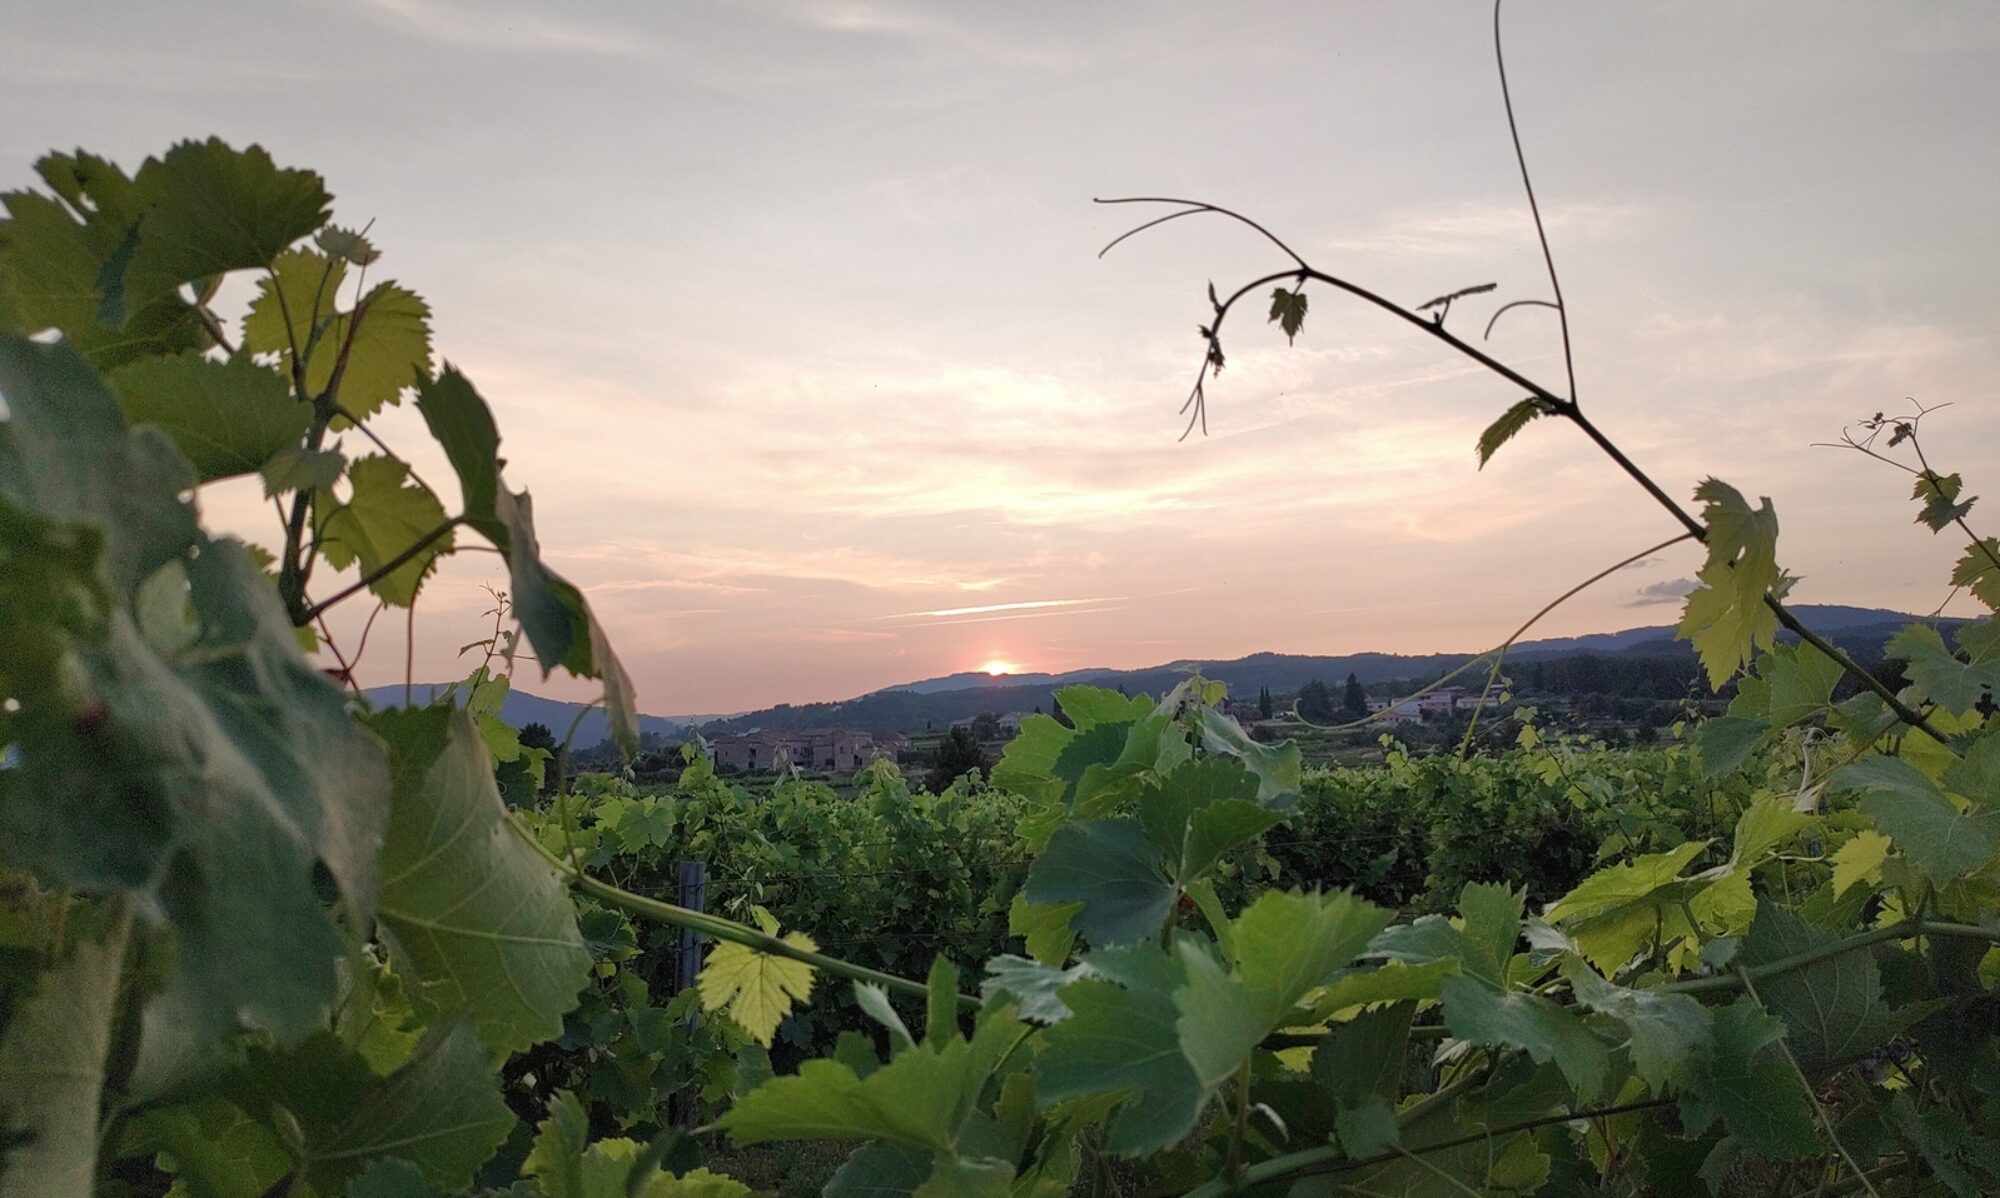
{"x":472,"y":916}
{"x":257,"y":939}
{"x":1726,"y":616}
{"x":251,"y":936}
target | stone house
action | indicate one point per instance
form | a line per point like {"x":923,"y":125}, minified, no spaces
{"x":822,"y":749}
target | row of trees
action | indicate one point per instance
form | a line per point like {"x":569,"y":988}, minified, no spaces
{"x":1316,"y":702}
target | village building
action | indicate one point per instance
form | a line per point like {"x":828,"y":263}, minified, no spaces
{"x":834,"y":749}
{"x":1443,"y":701}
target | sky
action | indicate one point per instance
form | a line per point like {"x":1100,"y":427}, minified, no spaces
{"x":792,"y":317}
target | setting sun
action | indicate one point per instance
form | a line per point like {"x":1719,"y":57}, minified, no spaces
{"x":996,"y":667}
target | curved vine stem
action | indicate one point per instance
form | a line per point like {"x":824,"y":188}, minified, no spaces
{"x":1819,"y":1108}
{"x":1903,"y":930}
{"x":1499,"y":652}
{"x":659,"y":911}
{"x":1535,"y":209}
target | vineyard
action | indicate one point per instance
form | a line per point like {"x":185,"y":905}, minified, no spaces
{"x":259,"y":937}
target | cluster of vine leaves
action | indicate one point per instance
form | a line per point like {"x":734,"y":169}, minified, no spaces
{"x":258,"y":938}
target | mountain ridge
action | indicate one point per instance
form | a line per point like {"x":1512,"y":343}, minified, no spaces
{"x":934,"y":702}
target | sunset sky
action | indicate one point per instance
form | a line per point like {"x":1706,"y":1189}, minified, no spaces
{"x":791,"y":316}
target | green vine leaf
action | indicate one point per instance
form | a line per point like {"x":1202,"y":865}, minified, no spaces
{"x":386,"y":515}
{"x":1939,"y":495}
{"x":208,"y":780}
{"x":1288,"y":311}
{"x":297,"y":314}
{"x":227,"y":418}
{"x":1945,"y":842}
{"x":1979,"y":571}
{"x":1669,"y":1036}
{"x":380,"y":349}
{"x":1123,"y":1037}
{"x":1114,"y":870}
{"x":923,"y":1097}
{"x":475,"y":918}
{"x":1833,"y":1009}
{"x":1958,"y":686}
{"x":1511,"y":421}
{"x":1044,"y":928}
{"x":1197,"y":813}
{"x":52,"y":255}
{"x":757,"y":989}
{"x":1478,"y":1013}
{"x":1726,"y":616}
{"x":1366,"y":1056}
{"x":554,"y":615}
{"x":1747,"y":1084}
{"x":441,"y":1111}
{"x":215,"y":209}
{"x":295,"y":303}
{"x":296,"y":468}
{"x":1089,"y":706}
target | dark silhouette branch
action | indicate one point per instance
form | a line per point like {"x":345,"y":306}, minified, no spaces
{"x":1503,"y":309}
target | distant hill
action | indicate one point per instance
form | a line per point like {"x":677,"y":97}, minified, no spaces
{"x":980,"y":680}
{"x":934,"y":703}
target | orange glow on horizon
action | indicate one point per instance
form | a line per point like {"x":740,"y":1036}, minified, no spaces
{"x":997,"y":667}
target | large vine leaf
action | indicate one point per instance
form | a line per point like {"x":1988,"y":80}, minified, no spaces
{"x":475,"y":917}
{"x":1746,"y":1082}
{"x":442,"y":1111}
{"x":1939,"y":675}
{"x":923,"y":1096}
{"x":553,"y":613}
{"x":1478,"y":1013}
{"x":387,"y":516}
{"x":1611,"y":912}
{"x":214,"y":209}
{"x":52,"y":1055}
{"x":1278,"y":768}
{"x":1726,"y":616}
{"x":1114,"y":870}
{"x":1089,"y":706}
{"x":1945,"y":841}
{"x":1123,"y":1036}
{"x":216,"y":1150}
{"x":1200,"y":811}
{"x":381,"y":348}
{"x":206,"y":775}
{"x":1833,"y":1009}
{"x":1668,"y":1034}
{"x":67,"y":455}
{"x":1286,"y":946}
{"x":1289,"y":944}
{"x":1366,"y":1056}
{"x":226,"y":418}
{"x":52,"y":256}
